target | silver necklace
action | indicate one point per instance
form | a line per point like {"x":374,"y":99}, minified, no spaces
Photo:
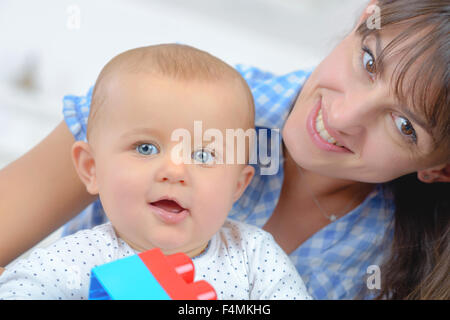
{"x":332,"y":217}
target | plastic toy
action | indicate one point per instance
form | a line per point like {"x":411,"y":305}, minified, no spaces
{"x":149,"y":275}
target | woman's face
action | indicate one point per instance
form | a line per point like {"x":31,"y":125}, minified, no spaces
{"x":348,"y":124}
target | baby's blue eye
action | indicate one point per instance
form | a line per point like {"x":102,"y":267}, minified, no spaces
{"x":146,"y":149}
{"x":203,"y":156}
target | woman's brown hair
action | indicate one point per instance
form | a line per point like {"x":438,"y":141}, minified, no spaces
{"x":436,"y":285}
{"x":428,"y":22}
{"x":418,"y":264}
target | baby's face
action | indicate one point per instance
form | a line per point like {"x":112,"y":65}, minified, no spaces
{"x":152,"y":199}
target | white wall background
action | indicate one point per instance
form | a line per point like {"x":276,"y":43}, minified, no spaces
{"x":50,"y":48}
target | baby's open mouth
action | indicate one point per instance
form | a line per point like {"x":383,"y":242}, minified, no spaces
{"x":168,"y":205}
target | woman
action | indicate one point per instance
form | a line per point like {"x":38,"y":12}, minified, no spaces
{"x":369,"y":127}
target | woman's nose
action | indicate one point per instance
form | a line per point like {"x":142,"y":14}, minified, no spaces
{"x":348,"y":114}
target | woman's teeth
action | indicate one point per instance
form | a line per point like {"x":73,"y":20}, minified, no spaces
{"x":323,"y":132}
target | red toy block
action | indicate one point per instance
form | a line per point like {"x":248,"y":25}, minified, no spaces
{"x":175,"y":273}
{"x":149,"y":275}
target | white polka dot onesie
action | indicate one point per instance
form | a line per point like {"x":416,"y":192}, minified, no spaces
{"x":240,"y":262}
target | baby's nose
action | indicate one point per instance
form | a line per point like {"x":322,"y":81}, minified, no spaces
{"x":172,"y":180}
{"x":172,"y":173}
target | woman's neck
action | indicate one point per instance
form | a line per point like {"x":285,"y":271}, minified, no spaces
{"x":307,"y":202}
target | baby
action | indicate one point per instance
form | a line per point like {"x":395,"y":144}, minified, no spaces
{"x":154,"y":196}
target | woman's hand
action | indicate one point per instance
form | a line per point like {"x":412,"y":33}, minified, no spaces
{"x":39,"y":192}
{"x":1,"y":270}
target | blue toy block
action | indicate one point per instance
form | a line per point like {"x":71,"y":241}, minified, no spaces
{"x":148,"y":276}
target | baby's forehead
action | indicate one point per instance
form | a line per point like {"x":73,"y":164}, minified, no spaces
{"x":198,"y":86}
{"x":226,"y":102}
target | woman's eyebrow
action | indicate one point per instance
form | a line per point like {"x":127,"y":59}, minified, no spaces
{"x":377,"y":44}
{"x":377,"y":37}
{"x":404,"y":108}
{"x":378,"y":51}
{"x":419,"y":120}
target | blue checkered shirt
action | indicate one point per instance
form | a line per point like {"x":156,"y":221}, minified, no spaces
{"x":334,"y":262}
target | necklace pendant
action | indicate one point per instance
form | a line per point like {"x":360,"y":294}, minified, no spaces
{"x":333,"y":217}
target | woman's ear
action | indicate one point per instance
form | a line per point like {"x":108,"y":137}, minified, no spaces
{"x":244,"y":179}
{"x":85,"y":165}
{"x":440,"y":173}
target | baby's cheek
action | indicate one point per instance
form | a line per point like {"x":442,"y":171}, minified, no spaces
{"x":120,"y":190}
{"x":215,"y":203}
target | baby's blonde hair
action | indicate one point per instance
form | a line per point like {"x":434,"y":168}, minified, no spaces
{"x":180,"y":62}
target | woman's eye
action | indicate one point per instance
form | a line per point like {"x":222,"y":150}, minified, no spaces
{"x":369,"y":61}
{"x":405,"y":127}
{"x":146,"y":149}
{"x":203,"y":156}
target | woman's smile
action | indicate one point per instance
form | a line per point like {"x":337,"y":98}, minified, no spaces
{"x":319,"y":132}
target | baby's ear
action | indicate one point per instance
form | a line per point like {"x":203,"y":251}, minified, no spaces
{"x":85,"y":165}
{"x":244,"y":179}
